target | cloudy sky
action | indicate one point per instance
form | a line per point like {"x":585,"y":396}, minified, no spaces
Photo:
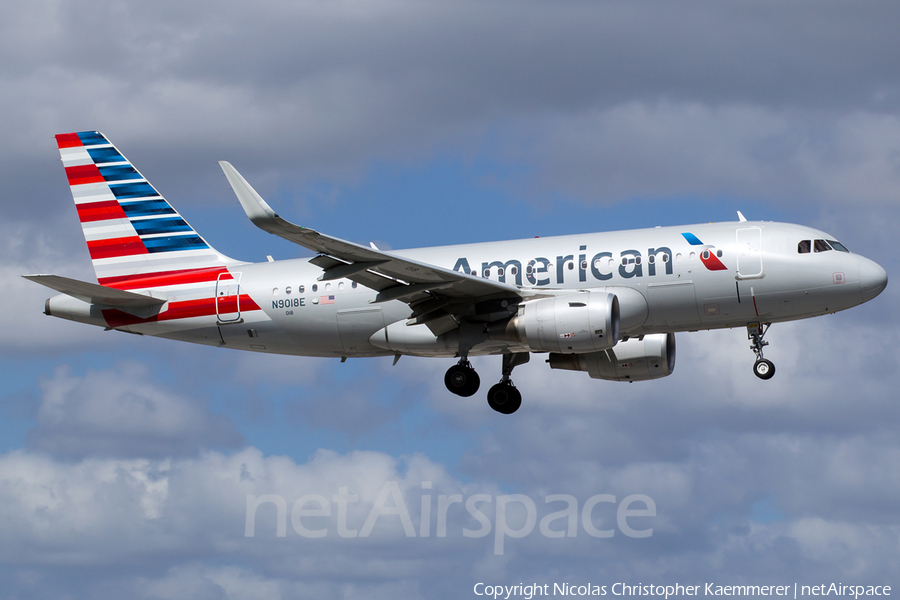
{"x":126,"y":463}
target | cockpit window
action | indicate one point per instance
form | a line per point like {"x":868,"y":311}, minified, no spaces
{"x":821,"y":246}
{"x":838,"y":246}
{"x":803,"y":247}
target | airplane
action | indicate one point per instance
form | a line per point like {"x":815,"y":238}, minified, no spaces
{"x":608,"y":304}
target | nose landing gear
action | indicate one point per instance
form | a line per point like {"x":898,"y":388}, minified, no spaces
{"x":762,"y":368}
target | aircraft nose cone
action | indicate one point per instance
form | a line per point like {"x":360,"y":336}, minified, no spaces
{"x":872,"y":279}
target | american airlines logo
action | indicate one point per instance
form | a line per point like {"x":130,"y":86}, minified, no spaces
{"x":709,"y":256}
{"x":602,"y":266}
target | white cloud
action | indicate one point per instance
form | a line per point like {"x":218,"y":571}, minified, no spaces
{"x":179,"y":525}
{"x":37,"y":248}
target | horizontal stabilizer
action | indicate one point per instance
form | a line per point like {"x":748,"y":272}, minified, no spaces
{"x":95,"y":294}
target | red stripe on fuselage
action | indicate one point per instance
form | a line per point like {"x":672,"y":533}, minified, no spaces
{"x":100,"y":211}
{"x":68,"y":140}
{"x":202,"y":307}
{"x":84,"y":174}
{"x":114,"y":247}
{"x":163,"y":278}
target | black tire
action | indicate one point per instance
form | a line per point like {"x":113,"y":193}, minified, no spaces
{"x":504,"y":398}
{"x":462,"y":380}
{"x":764,"y":369}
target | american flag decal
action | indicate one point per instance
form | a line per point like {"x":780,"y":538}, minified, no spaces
{"x":326,"y":299}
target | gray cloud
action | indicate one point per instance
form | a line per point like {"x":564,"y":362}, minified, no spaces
{"x":124,"y":413}
{"x":672,"y":150}
{"x":616,"y":100}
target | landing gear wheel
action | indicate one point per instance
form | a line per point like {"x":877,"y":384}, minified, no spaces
{"x":764,"y":368}
{"x":504,"y":398}
{"x":462,"y":380}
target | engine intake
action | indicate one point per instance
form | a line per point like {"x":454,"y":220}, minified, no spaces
{"x":572,"y":324}
{"x":636,"y":359}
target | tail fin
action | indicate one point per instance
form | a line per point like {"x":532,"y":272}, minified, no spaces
{"x":135,"y":238}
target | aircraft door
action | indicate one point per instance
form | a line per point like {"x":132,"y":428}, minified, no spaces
{"x":749,"y":253}
{"x":228,"y":297}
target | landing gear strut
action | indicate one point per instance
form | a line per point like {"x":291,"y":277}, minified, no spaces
{"x":461,"y":378}
{"x":762,"y":368}
{"x":504,"y":397}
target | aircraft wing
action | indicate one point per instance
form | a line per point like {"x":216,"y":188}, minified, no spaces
{"x":419,"y":284}
{"x":95,"y":294}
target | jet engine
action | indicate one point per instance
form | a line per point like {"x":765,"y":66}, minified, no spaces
{"x":637,"y":359}
{"x":571,"y":324}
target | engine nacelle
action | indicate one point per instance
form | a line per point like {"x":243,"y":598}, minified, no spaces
{"x":636,"y":359}
{"x":571,"y":324}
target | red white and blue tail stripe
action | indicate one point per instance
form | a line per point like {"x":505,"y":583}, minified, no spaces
{"x":135,"y":237}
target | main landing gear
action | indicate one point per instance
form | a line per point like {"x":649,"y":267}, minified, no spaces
{"x":462,"y":380}
{"x":762,"y":368}
{"x":504,"y":397}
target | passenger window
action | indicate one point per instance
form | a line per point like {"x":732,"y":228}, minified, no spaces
{"x":719,"y":253}
{"x":301,"y":289}
{"x":287,"y":290}
{"x":652,"y":258}
{"x":341,"y":285}
{"x":353,"y":285}
{"x":327,"y":287}
{"x":821,"y":246}
{"x":803,"y":247}
{"x":315,"y":287}
{"x":838,"y":246}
